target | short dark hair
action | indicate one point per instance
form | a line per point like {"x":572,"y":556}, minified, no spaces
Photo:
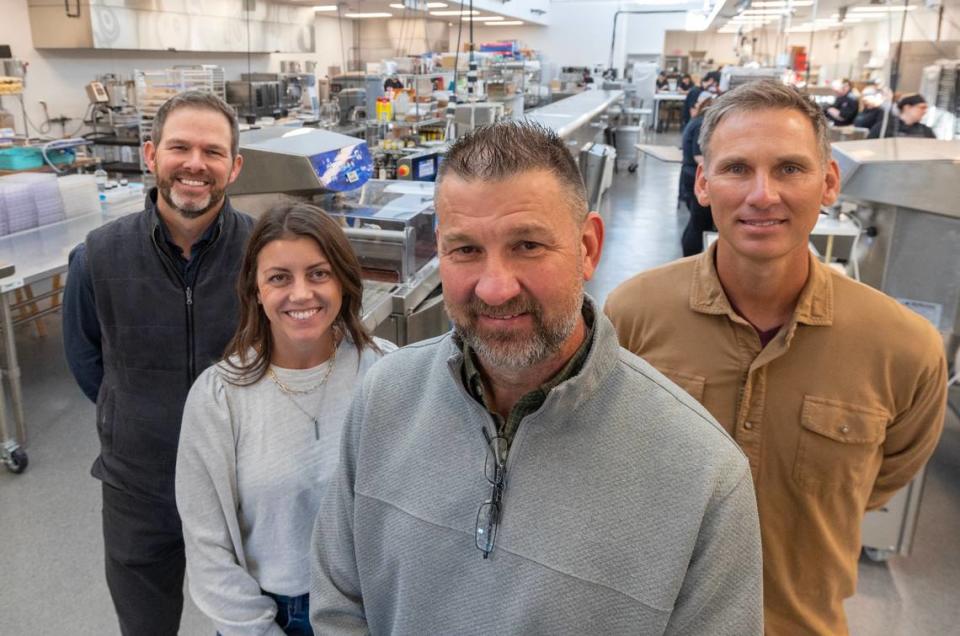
{"x":765,"y":94}
{"x":197,"y":99}
{"x":712,"y":76}
{"x":507,"y":148}
{"x":290,"y":220}
{"x":913,"y":99}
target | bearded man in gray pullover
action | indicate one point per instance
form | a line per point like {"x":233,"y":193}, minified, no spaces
{"x":523,"y":474}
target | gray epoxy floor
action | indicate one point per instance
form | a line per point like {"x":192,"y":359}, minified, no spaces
{"x":51,"y":553}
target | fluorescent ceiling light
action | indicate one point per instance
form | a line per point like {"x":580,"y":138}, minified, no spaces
{"x":781,"y":4}
{"x":429,"y":5}
{"x":506,"y":23}
{"x":454,"y":13}
{"x":325,"y":7}
{"x":486,"y":18}
{"x":878,"y":9}
{"x":750,"y":12}
{"x":367,"y":15}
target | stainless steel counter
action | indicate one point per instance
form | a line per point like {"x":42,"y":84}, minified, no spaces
{"x":920,"y":174}
{"x":568,"y":115}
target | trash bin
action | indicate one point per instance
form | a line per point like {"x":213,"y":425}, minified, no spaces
{"x":627,"y":139}
{"x":596,"y":170}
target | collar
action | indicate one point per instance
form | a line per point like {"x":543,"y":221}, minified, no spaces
{"x":814,"y":306}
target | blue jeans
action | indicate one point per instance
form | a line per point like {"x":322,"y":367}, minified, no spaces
{"x":293,"y":614}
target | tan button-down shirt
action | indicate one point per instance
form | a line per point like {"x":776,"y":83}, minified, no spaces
{"x":835,"y":414}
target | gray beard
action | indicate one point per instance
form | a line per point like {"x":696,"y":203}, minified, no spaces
{"x":188,"y":210}
{"x":507,"y":351}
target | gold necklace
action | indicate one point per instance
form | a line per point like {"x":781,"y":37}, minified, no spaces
{"x":289,"y":392}
{"x":286,"y":390}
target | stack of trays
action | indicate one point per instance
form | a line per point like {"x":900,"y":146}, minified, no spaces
{"x":18,"y":212}
{"x":79,"y":194}
{"x":46,"y":197}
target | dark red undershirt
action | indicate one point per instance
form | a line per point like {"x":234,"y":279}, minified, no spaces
{"x":765,"y":336}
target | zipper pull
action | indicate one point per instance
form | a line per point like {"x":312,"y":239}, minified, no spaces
{"x":189,"y":296}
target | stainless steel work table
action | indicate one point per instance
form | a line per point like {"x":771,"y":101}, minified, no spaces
{"x":569,"y":115}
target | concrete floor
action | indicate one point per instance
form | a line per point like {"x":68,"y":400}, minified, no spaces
{"x":51,"y":553}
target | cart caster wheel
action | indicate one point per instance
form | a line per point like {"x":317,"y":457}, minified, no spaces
{"x":17,"y":462}
{"x":632,"y":168}
{"x":878,"y":555}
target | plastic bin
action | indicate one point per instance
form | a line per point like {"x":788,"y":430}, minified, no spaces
{"x":30,"y":158}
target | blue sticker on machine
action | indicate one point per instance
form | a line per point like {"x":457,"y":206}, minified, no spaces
{"x":344,"y":169}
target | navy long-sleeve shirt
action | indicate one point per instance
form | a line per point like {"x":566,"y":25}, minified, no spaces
{"x":81,"y":325}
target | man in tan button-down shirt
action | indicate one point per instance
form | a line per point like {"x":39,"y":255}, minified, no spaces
{"x":835,"y":392}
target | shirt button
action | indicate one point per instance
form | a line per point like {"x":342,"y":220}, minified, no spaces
{"x":844,"y":429}
{"x":748,"y":425}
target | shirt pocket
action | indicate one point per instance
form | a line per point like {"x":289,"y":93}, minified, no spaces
{"x":692,"y":384}
{"x":838,"y":440}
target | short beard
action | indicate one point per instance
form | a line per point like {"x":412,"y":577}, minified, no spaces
{"x":506,"y":350}
{"x":187,"y":209}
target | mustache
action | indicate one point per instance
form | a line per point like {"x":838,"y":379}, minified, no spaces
{"x":184,"y":174}
{"x":516,"y":305}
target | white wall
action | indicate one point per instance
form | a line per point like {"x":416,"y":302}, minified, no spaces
{"x":381,"y":39}
{"x":58,"y":76}
{"x":580,"y":32}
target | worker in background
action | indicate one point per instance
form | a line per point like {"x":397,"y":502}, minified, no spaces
{"x":587,"y":79}
{"x":911,"y":109}
{"x":701,"y":220}
{"x":662,"y":83}
{"x":845,"y":105}
{"x":710,"y":83}
{"x":872,"y":113}
{"x":524,"y":473}
{"x":392,"y":83}
{"x":149,"y":304}
{"x":685,"y":84}
{"x":835,"y":392}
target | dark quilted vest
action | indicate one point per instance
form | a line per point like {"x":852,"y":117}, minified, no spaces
{"x":158,"y":334}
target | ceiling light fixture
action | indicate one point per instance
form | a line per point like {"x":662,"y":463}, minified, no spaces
{"x":781,"y":4}
{"x":506,"y":23}
{"x":881,"y":9}
{"x":454,"y":13}
{"x":420,"y":7}
{"x":325,"y":7}
{"x":360,"y":16}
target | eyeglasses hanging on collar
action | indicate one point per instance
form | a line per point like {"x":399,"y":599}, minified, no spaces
{"x":488,"y":515}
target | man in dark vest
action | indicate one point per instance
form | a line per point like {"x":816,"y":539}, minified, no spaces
{"x":149,"y":304}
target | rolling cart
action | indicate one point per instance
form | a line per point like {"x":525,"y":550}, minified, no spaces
{"x":11,"y":454}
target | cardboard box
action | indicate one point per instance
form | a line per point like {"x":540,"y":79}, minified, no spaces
{"x":501,"y":89}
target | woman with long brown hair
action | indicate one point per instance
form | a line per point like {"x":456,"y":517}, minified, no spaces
{"x":261,"y":429}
